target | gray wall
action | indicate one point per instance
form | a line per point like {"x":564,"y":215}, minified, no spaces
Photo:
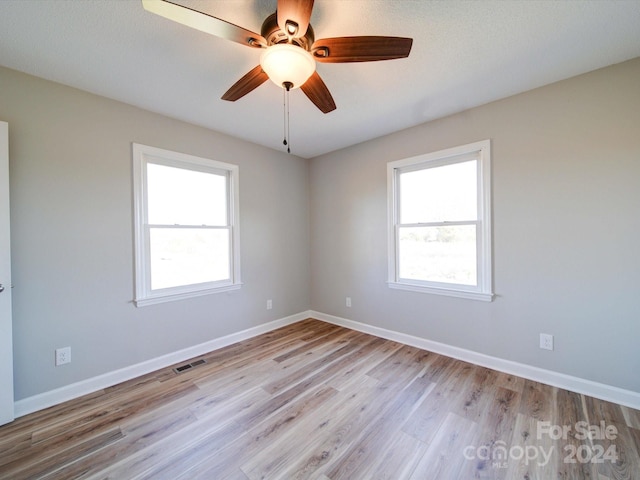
{"x":566,"y":192}
{"x":72,"y":241}
{"x":566,"y":215}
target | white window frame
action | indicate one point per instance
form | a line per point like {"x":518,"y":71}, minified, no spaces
{"x":143,"y":155}
{"x":483,"y":290}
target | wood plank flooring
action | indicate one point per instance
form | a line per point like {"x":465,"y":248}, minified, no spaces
{"x":318,"y":401}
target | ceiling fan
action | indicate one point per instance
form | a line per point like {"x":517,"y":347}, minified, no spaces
{"x":290,"y":50}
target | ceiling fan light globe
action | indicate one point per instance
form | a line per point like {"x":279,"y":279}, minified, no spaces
{"x":287,"y":63}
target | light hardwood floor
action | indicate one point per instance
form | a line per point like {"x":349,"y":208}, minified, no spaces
{"x":314,"y":400}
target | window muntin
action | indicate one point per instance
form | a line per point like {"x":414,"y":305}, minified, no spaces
{"x":439,"y":222}
{"x":187,"y":240}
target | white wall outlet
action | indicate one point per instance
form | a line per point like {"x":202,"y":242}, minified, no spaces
{"x":546,"y":341}
{"x":269,"y":304}
{"x":348,"y":302}
{"x":63,"y":355}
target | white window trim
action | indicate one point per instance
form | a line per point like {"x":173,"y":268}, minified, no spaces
{"x":141,"y":155}
{"x":484,"y":289}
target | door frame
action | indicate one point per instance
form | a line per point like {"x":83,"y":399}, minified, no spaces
{"x":7,"y":402}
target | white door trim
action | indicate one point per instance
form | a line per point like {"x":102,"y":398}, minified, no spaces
{"x":6,"y":327}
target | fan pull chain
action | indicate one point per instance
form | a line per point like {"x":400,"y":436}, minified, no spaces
{"x":287,"y":134}
{"x":284,"y":113}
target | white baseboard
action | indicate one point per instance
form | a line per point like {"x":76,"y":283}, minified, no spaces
{"x":561,"y":380}
{"x":602,"y":391}
{"x":84,"y":387}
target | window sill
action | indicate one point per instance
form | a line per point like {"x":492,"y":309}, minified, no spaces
{"x":170,"y":297}
{"x":482,"y":296}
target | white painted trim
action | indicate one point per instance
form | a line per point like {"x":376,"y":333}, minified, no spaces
{"x":479,"y":151}
{"x":602,"y":391}
{"x":7,"y":410}
{"x":141,"y":156}
{"x":485,"y":297}
{"x":575,"y":384}
{"x":90,"y":385}
{"x":155,"y":299}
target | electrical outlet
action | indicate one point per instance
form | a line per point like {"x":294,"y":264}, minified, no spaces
{"x":63,"y":355}
{"x":546,"y":341}
{"x":269,"y":304}
{"x":348,"y":301}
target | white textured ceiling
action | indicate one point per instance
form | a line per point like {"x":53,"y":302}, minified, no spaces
{"x":465,"y":53}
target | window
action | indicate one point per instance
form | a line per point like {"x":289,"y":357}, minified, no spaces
{"x":440,"y":222}
{"x":186,"y":225}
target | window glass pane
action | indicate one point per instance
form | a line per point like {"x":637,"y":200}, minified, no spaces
{"x":185,"y":256}
{"x":438,"y":254}
{"x":445,"y":193}
{"x":178,"y":196}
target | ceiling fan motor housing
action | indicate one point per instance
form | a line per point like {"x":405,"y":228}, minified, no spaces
{"x":274,"y":35}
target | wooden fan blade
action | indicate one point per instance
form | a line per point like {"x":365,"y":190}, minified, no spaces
{"x":294,"y":16}
{"x":360,"y":49}
{"x":318,"y":93}
{"x":246,"y":84}
{"x":204,"y":22}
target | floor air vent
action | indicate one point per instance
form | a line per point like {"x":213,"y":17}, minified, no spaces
{"x":189,"y":366}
